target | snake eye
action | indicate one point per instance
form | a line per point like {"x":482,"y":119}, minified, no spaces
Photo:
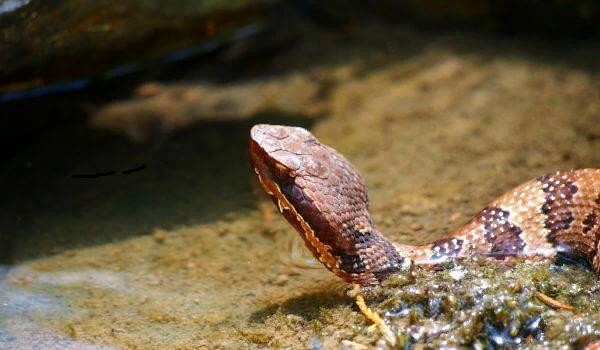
{"x":282,"y":172}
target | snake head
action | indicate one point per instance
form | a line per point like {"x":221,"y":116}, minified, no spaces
{"x":324,"y":198}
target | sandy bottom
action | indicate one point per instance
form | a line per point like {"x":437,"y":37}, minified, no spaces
{"x":187,"y":254}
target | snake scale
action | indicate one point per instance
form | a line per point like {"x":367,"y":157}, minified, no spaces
{"x":323,"y":196}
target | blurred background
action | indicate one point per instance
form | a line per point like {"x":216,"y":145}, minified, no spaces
{"x":123,"y":148}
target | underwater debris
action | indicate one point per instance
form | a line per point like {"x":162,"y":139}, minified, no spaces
{"x":69,"y":45}
{"x":158,"y":110}
{"x":491,"y":307}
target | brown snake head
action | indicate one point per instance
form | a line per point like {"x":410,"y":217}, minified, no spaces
{"x":324,"y":198}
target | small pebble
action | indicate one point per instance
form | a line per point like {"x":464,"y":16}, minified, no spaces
{"x":416,"y":226}
{"x":159,"y":237}
{"x":281,"y":280}
{"x":454,"y":217}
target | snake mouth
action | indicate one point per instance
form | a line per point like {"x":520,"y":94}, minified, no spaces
{"x":271,"y":172}
{"x":258,"y":161}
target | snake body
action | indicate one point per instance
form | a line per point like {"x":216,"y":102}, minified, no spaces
{"x":323,"y":196}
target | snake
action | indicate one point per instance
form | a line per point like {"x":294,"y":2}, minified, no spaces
{"x":324,"y":197}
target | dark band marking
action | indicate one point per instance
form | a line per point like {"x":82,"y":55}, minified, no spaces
{"x":446,"y":247}
{"x":593,"y":225}
{"x":546,"y":209}
{"x":558,"y":222}
{"x":559,"y":191}
{"x":557,"y":187}
{"x":394,"y":260}
{"x":596,"y":256}
{"x":351,"y":263}
{"x":589,"y":222}
{"x":364,"y":239}
{"x":388,"y":262}
{"x":503,"y":235}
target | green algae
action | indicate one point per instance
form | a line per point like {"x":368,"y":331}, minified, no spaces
{"x":481,"y":305}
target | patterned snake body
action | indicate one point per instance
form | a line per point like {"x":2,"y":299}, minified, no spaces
{"x":324,"y":198}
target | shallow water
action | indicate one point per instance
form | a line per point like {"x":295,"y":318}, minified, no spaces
{"x":187,"y":254}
